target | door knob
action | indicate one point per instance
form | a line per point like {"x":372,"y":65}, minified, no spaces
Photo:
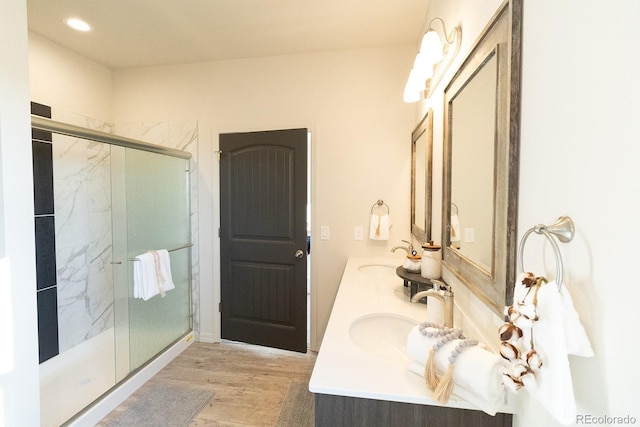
{"x":299,"y":253}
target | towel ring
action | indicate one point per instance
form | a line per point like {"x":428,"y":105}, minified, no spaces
{"x":380,"y":203}
{"x":563,"y":229}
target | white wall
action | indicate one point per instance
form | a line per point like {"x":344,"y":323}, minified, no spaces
{"x":19,"y":394}
{"x":579,"y":157}
{"x":68,"y":81}
{"x":351,"y":100}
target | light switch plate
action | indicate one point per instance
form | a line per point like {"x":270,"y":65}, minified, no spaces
{"x":469,"y":234}
{"x":324,"y":232}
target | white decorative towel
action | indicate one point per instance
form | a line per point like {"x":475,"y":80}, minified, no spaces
{"x":556,"y":334}
{"x":578,"y":343}
{"x":484,"y":404}
{"x":379,"y":227}
{"x":455,"y":228}
{"x":477,"y":372}
{"x":152,"y":274}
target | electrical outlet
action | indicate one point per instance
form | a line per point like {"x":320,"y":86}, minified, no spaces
{"x":469,"y":234}
{"x":324,"y":232}
{"x":358,"y":233}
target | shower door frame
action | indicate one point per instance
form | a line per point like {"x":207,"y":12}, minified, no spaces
{"x":125,"y":376}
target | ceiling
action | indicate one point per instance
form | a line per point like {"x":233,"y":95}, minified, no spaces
{"x":134,"y":33}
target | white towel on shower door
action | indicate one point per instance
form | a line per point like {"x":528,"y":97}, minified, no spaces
{"x":152,"y":274}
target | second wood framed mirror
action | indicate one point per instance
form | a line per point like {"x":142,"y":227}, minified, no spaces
{"x":481,"y":160}
{"x":421,"y":178}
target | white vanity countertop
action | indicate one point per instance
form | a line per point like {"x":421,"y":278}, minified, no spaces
{"x":343,"y":369}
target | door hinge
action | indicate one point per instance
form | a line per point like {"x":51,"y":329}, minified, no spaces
{"x":220,"y":306}
{"x":218,"y":153}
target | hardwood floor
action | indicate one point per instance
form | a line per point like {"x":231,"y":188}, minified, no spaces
{"x":249,"y":382}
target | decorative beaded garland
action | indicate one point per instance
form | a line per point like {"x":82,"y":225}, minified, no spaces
{"x":441,"y":331}
{"x":445,"y":385}
{"x":460,"y":347}
{"x":442,"y":387}
{"x":422,"y":327}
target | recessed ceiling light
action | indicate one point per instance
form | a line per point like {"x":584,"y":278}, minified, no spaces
{"x":78,"y":24}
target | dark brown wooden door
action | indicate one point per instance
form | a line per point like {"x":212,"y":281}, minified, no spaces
{"x":263,"y":234}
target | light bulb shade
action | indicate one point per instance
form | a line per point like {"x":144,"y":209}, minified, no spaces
{"x":410,"y":96}
{"x":423,"y":67}
{"x":431,"y":47}
{"x":414,"y":87}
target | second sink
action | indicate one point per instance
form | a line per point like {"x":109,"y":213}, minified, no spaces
{"x":378,"y":269}
{"x":382,"y":334}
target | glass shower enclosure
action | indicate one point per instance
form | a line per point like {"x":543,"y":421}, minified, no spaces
{"x":115,"y":199}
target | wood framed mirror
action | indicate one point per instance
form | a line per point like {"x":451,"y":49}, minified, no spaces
{"x":421,"y":178}
{"x":481,"y":159}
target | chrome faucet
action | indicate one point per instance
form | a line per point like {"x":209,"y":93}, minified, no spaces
{"x":442,"y":292}
{"x":408,"y":249}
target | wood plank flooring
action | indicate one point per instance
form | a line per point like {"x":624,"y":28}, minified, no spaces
{"x":249,"y":382}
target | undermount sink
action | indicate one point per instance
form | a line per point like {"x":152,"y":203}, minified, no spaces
{"x":382,"y":334}
{"x":378,"y":269}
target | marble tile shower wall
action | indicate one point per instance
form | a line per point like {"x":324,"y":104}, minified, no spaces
{"x":82,"y":195}
{"x":83,"y":222}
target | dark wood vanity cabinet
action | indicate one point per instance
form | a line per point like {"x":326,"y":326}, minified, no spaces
{"x":342,"y":411}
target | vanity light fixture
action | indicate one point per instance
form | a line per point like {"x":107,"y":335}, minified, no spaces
{"x":432,"y":60}
{"x":78,"y":24}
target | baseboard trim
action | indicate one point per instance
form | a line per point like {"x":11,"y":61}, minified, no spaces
{"x":208,"y":337}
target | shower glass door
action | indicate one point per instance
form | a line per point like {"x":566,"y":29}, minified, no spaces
{"x":105,"y":204}
{"x":157,"y":217}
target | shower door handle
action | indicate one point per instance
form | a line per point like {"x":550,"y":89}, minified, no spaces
{"x":299,"y":254}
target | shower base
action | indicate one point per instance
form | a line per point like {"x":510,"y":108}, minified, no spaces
{"x":72,"y":380}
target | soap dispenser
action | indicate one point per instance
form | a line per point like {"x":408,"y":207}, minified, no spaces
{"x":431,"y":267}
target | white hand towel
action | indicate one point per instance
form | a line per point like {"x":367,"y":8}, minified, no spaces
{"x":143,"y":274}
{"x":556,"y":327}
{"x":482,"y":403}
{"x":455,"y":228}
{"x":165,"y":271}
{"x":373,"y":226}
{"x":477,"y":372}
{"x":152,"y":274}
{"x":578,"y":343}
{"x":379,"y":227}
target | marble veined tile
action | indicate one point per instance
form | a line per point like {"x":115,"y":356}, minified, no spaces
{"x":152,"y":132}
{"x":76,"y":119}
{"x":82,"y":197}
